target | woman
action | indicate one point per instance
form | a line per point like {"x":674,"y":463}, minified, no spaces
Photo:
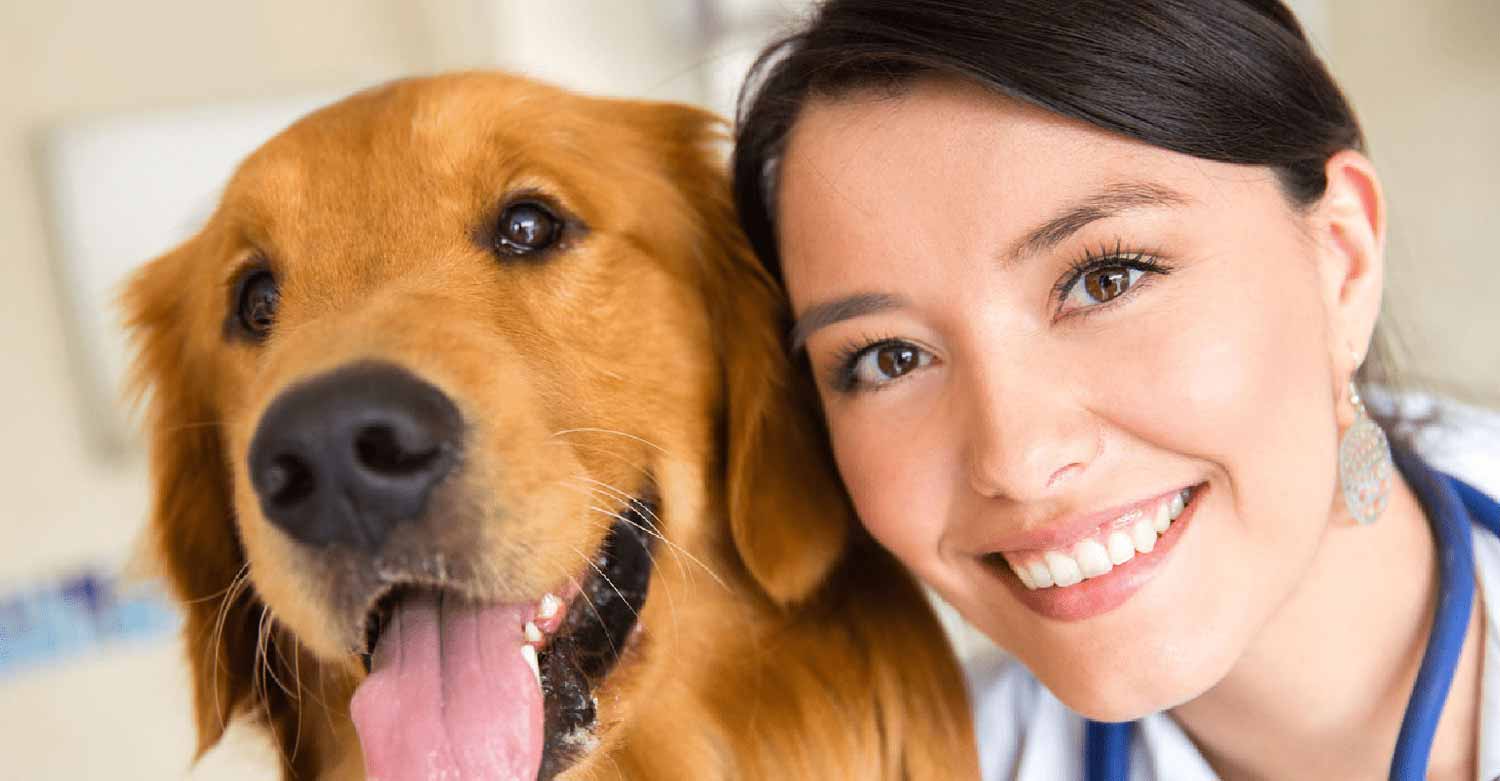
{"x":1087,"y":289}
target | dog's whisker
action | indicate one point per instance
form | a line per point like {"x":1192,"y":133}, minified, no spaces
{"x":665,"y":584}
{"x":588,"y":600}
{"x":259,"y":690}
{"x":216,"y":637}
{"x":646,"y":473}
{"x":611,"y":583}
{"x":263,"y":648}
{"x":615,"y":763}
{"x":272,"y":636}
{"x":268,"y":632}
{"x":655,"y":564}
{"x":607,"y":491}
{"x":190,"y":426}
{"x":275,"y":634}
{"x":297,"y":684}
{"x":651,"y":528}
{"x":297,"y":681}
{"x":627,"y":498}
{"x":676,"y":550}
{"x":587,"y":430}
{"x":318,"y":697}
{"x":623,"y":515}
{"x":221,"y":592}
{"x":322,"y":698}
{"x":670,"y":548}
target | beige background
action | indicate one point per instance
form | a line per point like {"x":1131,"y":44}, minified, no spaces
{"x":1425,"y":78}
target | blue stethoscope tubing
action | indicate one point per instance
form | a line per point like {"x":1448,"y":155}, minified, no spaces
{"x":1454,"y":507}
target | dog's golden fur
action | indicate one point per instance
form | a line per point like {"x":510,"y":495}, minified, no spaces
{"x":777,"y":642}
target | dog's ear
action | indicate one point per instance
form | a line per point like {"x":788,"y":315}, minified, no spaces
{"x":192,"y":533}
{"x":789,"y":515}
{"x":788,"y":511}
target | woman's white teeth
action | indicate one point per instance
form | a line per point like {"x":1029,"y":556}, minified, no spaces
{"x":1093,"y":559}
{"x":1162,"y":518}
{"x":1135,"y":532}
{"x":1143,"y":535}
{"x":1065,"y":571}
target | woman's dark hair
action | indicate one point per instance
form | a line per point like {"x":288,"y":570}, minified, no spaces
{"x":1232,"y":81}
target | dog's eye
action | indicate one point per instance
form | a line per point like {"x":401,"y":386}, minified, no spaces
{"x":258,"y":300}
{"x":526,"y":228}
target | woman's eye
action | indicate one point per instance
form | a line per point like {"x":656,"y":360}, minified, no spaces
{"x":1100,"y":285}
{"x":882,"y":363}
{"x":259,"y":299}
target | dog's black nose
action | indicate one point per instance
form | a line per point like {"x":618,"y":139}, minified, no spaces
{"x":347,"y":456}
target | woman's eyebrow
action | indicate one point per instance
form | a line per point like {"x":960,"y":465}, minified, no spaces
{"x":1109,"y":202}
{"x":829,"y":312}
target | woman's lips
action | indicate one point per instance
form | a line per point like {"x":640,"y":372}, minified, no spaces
{"x":1099,"y":572}
{"x":1115,"y":542}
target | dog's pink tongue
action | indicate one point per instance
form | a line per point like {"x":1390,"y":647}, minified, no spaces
{"x":450,"y":696}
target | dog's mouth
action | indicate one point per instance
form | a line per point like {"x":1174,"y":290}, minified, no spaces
{"x":473,"y":670}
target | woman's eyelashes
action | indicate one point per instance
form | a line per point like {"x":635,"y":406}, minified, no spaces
{"x":872,"y":365}
{"x":1102,"y":277}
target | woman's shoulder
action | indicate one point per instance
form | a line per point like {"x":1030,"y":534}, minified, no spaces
{"x":1460,"y":439}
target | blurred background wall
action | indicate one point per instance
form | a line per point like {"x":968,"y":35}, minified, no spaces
{"x":111,"y":701}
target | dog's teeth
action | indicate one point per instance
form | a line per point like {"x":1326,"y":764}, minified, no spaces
{"x":533,"y":635}
{"x":528,"y":652}
{"x":549,"y":607}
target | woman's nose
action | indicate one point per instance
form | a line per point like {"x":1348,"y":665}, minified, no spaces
{"x":1029,"y":437}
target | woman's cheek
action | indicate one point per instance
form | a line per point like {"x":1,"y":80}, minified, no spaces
{"x":891,"y":468}
{"x":1237,"y":379}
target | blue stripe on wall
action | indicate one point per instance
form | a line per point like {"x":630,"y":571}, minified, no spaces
{"x":77,"y":615}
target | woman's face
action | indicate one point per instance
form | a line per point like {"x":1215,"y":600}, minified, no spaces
{"x":1030,"y":337}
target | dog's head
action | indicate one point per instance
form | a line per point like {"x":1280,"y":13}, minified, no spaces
{"x":462,"y":366}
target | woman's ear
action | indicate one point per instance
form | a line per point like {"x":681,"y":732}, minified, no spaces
{"x":192,"y":533}
{"x":1349,"y":224}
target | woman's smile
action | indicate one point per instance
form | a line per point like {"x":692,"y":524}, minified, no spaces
{"x":1081,"y":567}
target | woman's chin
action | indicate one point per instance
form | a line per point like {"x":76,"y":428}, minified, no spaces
{"x":1105,"y":693}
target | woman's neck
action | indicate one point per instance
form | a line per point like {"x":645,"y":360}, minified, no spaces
{"x":1321,"y":692}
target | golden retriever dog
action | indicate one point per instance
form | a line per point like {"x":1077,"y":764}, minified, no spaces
{"x":477,"y":454}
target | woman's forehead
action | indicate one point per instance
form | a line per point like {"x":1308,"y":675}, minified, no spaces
{"x":952,"y":163}
{"x":943,"y":135}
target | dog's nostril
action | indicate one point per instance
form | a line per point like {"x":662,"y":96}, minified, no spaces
{"x":287,"y":480}
{"x":385,"y":450}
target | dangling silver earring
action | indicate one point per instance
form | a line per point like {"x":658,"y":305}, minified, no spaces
{"x":1364,"y":464}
